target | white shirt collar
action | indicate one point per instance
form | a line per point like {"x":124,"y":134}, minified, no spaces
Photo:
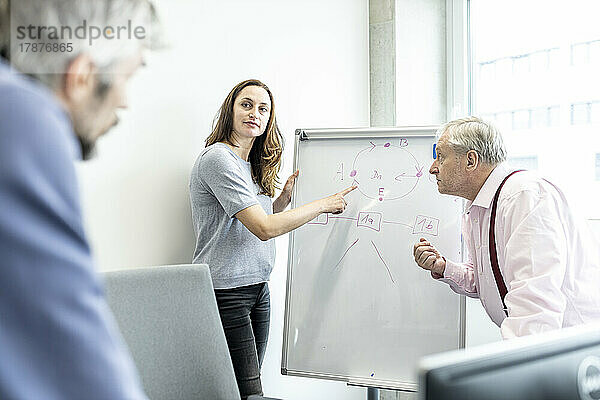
{"x":488,"y":190}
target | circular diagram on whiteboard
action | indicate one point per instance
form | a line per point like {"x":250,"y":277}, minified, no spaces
{"x":386,"y":171}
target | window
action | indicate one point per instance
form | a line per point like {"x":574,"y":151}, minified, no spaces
{"x":487,"y":71}
{"x":529,"y":163}
{"x":540,"y":87}
{"x":585,"y":53}
{"x":553,"y":58}
{"x":521,"y":119}
{"x":540,"y":61}
{"x":540,"y":117}
{"x":521,"y":64}
{"x":580,"y":53}
{"x":504,"y":120}
{"x":580,"y":113}
{"x":554,"y":116}
{"x":595,"y":53}
{"x":595,"y":113}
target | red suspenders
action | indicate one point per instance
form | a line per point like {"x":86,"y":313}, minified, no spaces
{"x":493,"y":254}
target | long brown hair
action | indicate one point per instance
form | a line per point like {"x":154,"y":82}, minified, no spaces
{"x":265,"y":155}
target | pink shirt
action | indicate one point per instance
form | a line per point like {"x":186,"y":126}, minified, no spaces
{"x":549,"y":259}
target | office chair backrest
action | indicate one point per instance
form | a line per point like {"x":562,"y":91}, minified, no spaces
{"x":169,"y":318}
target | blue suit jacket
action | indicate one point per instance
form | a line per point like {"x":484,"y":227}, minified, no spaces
{"x":58,"y":339}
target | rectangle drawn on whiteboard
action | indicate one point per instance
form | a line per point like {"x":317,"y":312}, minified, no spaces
{"x":370,"y":220}
{"x":322,"y":219}
{"x":425,"y":224}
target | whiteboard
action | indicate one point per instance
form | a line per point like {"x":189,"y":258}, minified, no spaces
{"x":358,"y":308}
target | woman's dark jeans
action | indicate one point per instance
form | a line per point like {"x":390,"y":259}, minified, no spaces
{"x":245,"y":314}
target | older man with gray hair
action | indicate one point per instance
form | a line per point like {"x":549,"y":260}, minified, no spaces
{"x":533,"y":264}
{"x":61,"y":92}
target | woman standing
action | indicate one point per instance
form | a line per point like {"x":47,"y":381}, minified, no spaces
{"x":231,"y":189}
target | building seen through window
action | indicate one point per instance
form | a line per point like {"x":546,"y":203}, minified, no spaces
{"x":541,"y":87}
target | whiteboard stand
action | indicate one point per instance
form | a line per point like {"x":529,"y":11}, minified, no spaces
{"x":372,"y":393}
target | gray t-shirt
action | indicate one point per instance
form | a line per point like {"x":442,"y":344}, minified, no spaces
{"x":220,"y":186}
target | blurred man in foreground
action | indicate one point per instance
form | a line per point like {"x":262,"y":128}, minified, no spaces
{"x":59,"y":94}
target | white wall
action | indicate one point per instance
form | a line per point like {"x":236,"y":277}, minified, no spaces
{"x":314,"y":57}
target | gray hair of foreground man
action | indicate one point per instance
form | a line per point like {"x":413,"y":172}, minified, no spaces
{"x":472,"y":133}
{"x":33,"y":21}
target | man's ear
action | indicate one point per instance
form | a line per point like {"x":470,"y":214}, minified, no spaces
{"x":472,"y":160}
{"x":79,"y":79}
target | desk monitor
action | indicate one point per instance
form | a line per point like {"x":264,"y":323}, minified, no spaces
{"x":558,"y":365}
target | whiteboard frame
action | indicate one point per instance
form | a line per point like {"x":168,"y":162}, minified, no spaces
{"x":352,"y":133}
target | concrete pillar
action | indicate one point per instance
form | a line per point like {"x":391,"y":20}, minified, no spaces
{"x":382,"y":62}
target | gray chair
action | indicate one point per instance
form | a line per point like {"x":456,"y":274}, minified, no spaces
{"x":169,"y":319}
